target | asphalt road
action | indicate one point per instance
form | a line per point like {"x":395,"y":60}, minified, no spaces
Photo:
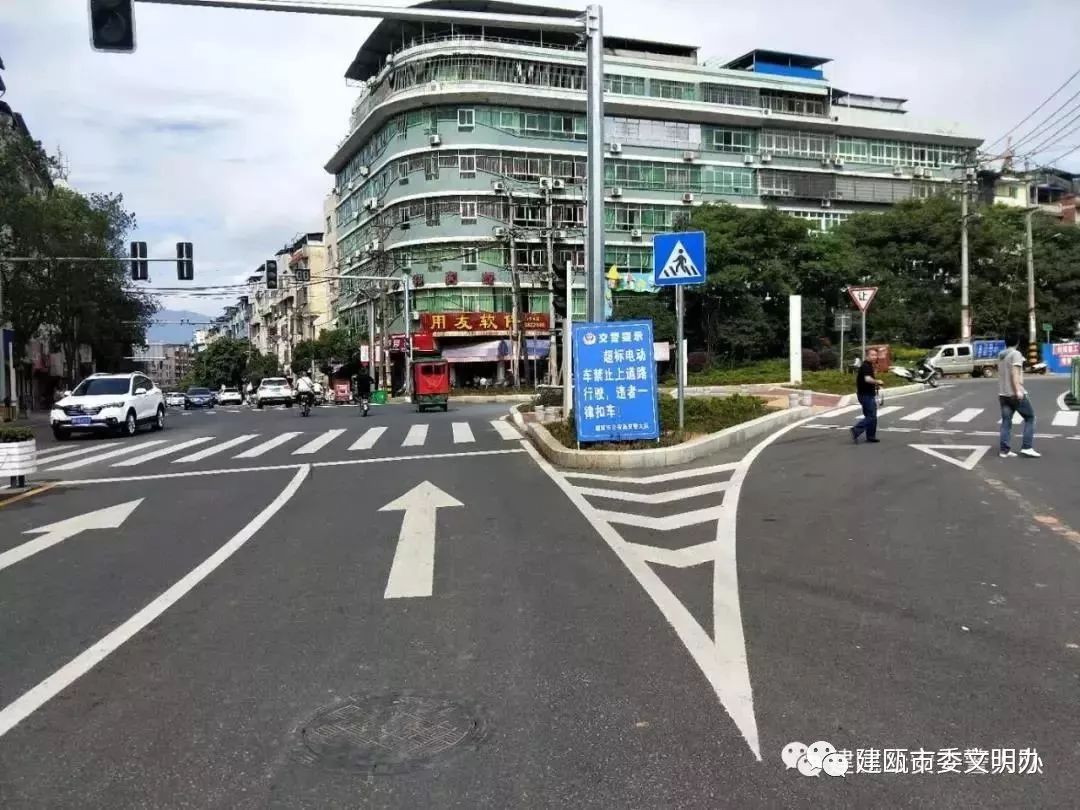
{"x":247,"y":626}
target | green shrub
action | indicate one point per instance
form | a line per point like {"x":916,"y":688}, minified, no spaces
{"x":549,"y":398}
{"x":9,"y":435}
{"x":764,"y":371}
{"x":842,"y":382}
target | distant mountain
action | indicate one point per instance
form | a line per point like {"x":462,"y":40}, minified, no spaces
{"x":176,"y":326}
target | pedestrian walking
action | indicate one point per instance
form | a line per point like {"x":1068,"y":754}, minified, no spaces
{"x":866,"y":388}
{"x":1013,"y":398}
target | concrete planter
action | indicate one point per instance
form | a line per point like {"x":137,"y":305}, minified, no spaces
{"x":18,"y":458}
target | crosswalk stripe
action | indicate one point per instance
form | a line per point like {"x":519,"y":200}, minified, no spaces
{"x":318,"y":443}
{"x":217,"y":448}
{"x":889,"y":409}
{"x":97,"y":448}
{"x":1066,"y":419}
{"x":269,"y":444}
{"x":966,"y":415}
{"x":164,"y":451}
{"x":842,"y":411}
{"x":462,"y":433}
{"x":919,"y":415}
{"x":367,"y":441}
{"x":505,"y":429}
{"x":416,"y":436}
{"x":123,"y":451}
{"x":50,"y":450}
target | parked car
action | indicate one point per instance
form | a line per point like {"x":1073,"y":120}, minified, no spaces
{"x":109,"y":403}
{"x":229,"y":396}
{"x":198,"y":398}
{"x":274,"y":391}
{"x":175,"y":399}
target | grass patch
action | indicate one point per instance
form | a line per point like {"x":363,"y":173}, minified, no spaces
{"x":841,"y":382}
{"x":764,"y":371}
{"x":702,"y":415}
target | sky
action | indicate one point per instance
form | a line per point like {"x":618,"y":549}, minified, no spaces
{"x":217,"y":128}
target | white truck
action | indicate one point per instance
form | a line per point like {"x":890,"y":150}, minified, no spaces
{"x":978,"y":358}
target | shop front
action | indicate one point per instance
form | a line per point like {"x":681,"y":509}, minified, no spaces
{"x":479,"y":348}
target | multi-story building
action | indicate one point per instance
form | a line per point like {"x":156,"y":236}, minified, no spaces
{"x":1052,"y":192}
{"x":464,"y":164}
{"x":333,"y":268}
{"x":165,"y":363}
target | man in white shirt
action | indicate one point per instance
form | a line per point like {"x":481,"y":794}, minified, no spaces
{"x":1014,"y":399}
{"x":304,"y":387}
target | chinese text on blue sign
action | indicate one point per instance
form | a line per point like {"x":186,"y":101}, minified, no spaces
{"x":679,"y":258}
{"x":615,"y":381}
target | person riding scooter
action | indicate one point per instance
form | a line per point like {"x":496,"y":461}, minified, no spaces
{"x":364,"y":384}
{"x":305,"y":390}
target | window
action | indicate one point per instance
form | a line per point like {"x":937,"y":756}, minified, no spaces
{"x":963,"y":351}
{"x":329,"y":225}
{"x":403,"y":171}
{"x":467,"y":166}
{"x":466,"y":119}
{"x":469,"y":259}
{"x":468,"y":211}
{"x":662,"y":88}
{"x":624,"y":85}
{"x":732,"y":140}
{"x":947,"y":352}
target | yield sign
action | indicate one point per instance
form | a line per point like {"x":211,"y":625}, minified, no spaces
{"x":973,"y":453}
{"x":862,"y":296}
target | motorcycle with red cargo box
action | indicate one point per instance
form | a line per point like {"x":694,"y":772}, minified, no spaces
{"x":431,"y":382}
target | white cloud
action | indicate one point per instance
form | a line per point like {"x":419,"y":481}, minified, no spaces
{"x":217,"y":128}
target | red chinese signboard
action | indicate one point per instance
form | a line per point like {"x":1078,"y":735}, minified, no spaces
{"x":421,"y":342}
{"x":498,"y":322}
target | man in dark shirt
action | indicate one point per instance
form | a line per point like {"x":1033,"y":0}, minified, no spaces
{"x":866,"y":386}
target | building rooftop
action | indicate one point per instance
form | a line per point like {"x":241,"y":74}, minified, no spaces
{"x":780,"y":63}
{"x":390,"y":36}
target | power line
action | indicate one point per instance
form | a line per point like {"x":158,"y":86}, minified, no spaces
{"x":1034,"y":112}
{"x":1050,"y":120}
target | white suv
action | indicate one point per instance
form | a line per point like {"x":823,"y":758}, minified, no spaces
{"x":274,"y":390}
{"x":109,"y":402}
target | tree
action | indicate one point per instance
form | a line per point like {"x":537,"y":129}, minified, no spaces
{"x":657,"y":307}
{"x":332,"y":345}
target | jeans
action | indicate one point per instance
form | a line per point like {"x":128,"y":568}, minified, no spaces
{"x":868,"y":423}
{"x":1025,"y":410}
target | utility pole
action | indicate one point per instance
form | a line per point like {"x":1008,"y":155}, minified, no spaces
{"x":1033,"y":347}
{"x":965,"y":303}
{"x":515,"y":306}
{"x":553,"y":352}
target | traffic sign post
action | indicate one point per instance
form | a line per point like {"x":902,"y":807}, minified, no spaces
{"x":842,"y":323}
{"x":678,"y":260}
{"x":862,"y":296}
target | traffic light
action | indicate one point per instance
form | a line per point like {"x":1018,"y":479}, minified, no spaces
{"x":185,"y":265}
{"x":559,"y":294}
{"x":112,"y":25}
{"x":140,"y":268}
{"x":271,"y":274}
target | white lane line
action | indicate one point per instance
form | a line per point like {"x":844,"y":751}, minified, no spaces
{"x":1066,"y":419}
{"x":318,"y":443}
{"x":269,"y":444}
{"x":505,"y":429}
{"x":32,"y":700}
{"x":416,"y":436}
{"x":164,"y":451}
{"x":1061,"y":401}
{"x":462,"y":433}
{"x":97,"y":448}
{"x":654,"y":497}
{"x":123,"y":479}
{"x":367,"y":441}
{"x":919,"y":415}
{"x":889,"y":409}
{"x":50,"y":450}
{"x":123,"y":451}
{"x":217,"y":448}
{"x":841,"y":411}
{"x":966,"y":415}
{"x":655,"y":479}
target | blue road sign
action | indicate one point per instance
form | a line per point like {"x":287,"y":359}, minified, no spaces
{"x":615,"y":382}
{"x":679,"y":258}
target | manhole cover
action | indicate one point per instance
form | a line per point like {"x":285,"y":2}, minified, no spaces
{"x":390,"y":733}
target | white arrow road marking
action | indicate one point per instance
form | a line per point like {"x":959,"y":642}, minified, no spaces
{"x":462,"y":433}
{"x":123,"y":451}
{"x":413,"y":570}
{"x":505,"y":429}
{"x":663,"y":524}
{"x":974,"y":455}
{"x":109,"y":518}
{"x":654,"y":497}
{"x":164,"y":451}
{"x":217,"y":448}
{"x":29,"y":702}
{"x":269,"y":444}
{"x":367,"y":441}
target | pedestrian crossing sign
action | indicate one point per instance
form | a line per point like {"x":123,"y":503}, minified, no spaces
{"x":679,"y":258}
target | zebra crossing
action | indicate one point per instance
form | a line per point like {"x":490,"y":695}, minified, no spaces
{"x":123,"y":454}
{"x":962,"y":422}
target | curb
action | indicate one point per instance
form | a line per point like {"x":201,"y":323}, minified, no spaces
{"x":661,"y":456}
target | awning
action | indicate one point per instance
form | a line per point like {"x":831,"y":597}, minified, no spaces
{"x":491,"y":351}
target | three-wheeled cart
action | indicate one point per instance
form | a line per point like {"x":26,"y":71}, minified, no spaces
{"x":431,"y":383}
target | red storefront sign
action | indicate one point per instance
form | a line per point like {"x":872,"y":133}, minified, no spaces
{"x":421,"y":342}
{"x":480,"y":322}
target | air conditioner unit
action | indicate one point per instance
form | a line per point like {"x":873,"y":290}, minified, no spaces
{"x":766,"y":111}
{"x":826,"y":203}
{"x":969,"y":173}
{"x":688,"y":197}
{"x":617,"y":191}
{"x":898,"y":171}
{"x":356,"y":254}
{"x":691,"y":156}
{"x":748,"y":160}
{"x":415,"y":315}
{"x":839,"y":163}
{"x":434,"y":140}
{"x":545,"y":182}
{"x":558,"y":185}
{"x":766,"y":157}
{"x":363,"y":170}
{"x":374,"y":247}
{"x":558,"y":234}
{"x":635,"y":233}
{"x":500,"y":233}
{"x":371,"y":203}
{"x":825,"y":161}
{"x":350,"y":185}
{"x":499,"y":187}
{"x":614,"y":148}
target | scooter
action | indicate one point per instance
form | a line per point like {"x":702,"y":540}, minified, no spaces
{"x":1034,"y":368}
{"x":305,"y":404}
{"x":364,"y":405}
{"x":922,"y":373}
